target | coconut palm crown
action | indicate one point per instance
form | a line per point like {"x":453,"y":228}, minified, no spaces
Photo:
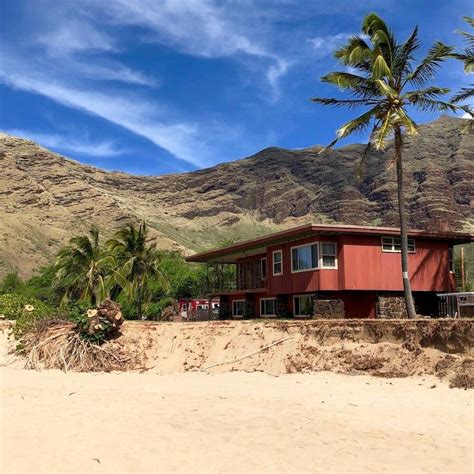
{"x":383,"y":76}
{"x":137,"y":262}
{"x":82,"y":268}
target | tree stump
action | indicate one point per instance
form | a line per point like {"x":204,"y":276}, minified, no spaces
{"x":111,"y":311}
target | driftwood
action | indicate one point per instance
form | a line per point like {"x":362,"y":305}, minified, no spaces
{"x":248,"y":355}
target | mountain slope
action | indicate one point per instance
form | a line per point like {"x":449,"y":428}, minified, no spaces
{"x":46,"y":198}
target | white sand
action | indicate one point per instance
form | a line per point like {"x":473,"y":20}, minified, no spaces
{"x":130,"y":422}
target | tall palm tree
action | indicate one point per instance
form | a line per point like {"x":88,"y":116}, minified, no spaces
{"x":384,"y":76}
{"x":137,"y":262}
{"x":81,"y":268}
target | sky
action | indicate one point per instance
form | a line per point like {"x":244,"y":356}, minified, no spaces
{"x":162,"y":86}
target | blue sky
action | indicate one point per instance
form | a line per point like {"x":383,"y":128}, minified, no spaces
{"x":161,"y":86}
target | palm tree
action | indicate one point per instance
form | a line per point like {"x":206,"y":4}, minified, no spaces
{"x":137,"y":262}
{"x":384,"y":76}
{"x":81,"y":268}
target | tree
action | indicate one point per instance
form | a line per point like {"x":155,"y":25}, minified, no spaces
{"x":82,"y":269}
{"x":384,"y":76}
{"x":137,"y":262}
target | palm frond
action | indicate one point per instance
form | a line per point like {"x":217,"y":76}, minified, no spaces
{"x":425,"y":71}
{"x":463,"y":94}
{"x":351,"y":103}
{"x":355,"y":53}
{"x":403,"y":55}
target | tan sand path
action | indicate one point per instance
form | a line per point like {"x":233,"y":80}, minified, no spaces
{"x":130,"y":422}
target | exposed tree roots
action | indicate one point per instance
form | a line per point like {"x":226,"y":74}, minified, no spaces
{"x":58,"y":345}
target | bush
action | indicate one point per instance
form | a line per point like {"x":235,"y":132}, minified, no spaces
{"x":25,"y":311}
{"x":14,"y":306}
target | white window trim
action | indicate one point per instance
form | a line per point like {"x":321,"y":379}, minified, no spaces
{"x":267,"y":315}
{"x":451,"y":261}
{"x":273,"y":262}
{"x":393,"y":245}
{"x":233,"y":308}
{"x":266,"y":268}
{"x":294,"y":305}
{"x":320,"y":253}
{"x":306,"y":269}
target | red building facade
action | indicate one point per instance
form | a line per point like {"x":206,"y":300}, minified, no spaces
{"x":283,"y":273}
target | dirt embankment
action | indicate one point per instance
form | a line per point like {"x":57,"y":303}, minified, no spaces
{"x":385,"y":348}
{"x":396,"y":348}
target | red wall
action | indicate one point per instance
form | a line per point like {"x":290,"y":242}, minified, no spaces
{"x":362,"y":265}
{"x":366,"y":267}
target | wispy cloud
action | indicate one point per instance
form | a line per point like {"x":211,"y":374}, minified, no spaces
{"x":325,"y":45}
{"x":203,"y":28}
{"x":80,"y":145}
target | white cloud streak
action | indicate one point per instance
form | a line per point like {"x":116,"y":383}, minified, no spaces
{"x":66,"y":143}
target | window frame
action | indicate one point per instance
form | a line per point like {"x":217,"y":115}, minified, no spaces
{"x":451,"y":260}
{"x":310,"y":295}
{"x":274,"y":308}
{"x":309,"y":244}
{"x":263,"y":266}
{"x":393,"y":250}
{"x":233,"y":309}
{"x":321,"y":245}
{"x":280,"y":251}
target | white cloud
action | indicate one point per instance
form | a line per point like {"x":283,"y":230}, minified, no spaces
{"x":134,"y":113}
{"x":202,"y":28}
{"x":73,"y":36}
{"x":70,"y":144}
{"x":325,"y":45}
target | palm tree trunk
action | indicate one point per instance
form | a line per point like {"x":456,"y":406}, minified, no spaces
{"x":139,"y":296}
{"x":403,"y":227}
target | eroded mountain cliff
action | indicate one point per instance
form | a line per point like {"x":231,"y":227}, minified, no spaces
{"x":46,"y":198}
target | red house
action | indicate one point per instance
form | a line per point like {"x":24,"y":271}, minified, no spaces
{"x":354,"y":271}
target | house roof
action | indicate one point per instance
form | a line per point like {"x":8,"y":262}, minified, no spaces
{"x":257,"y":246}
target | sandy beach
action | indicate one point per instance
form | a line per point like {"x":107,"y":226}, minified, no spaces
{"x":241,"y":422}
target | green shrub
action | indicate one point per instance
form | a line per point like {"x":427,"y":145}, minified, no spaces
{"x":14,"y":306}
{"x":26,"y":311}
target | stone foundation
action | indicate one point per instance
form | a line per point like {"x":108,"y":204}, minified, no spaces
{"x":391,"y":307}
{"x":328,"y":309}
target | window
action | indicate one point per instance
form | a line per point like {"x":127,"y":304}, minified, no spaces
{"x":277,"y":262}
{"x":238,"y":308}
{"x":304,"y":257}
{"x":267,"y":307}
{"x":303,"y":305}
{"x":394,"y":244}
{"x":328,"y":255}
{"x":263,"y":268}
{"x":451,"y":258}
{"x":184,"y":307}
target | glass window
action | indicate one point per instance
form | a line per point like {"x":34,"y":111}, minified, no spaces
{"x":394,"y":244}
{"x":303,"y":305}
{"x":304,"y":257}
{"x":267,"y":307}
{"x":263,"y":268}
{"x":238,"y":308}
{"x":277,"y":262}
{"x":328,"y":251}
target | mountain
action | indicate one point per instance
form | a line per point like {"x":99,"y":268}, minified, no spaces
{"x":46,"y":198}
